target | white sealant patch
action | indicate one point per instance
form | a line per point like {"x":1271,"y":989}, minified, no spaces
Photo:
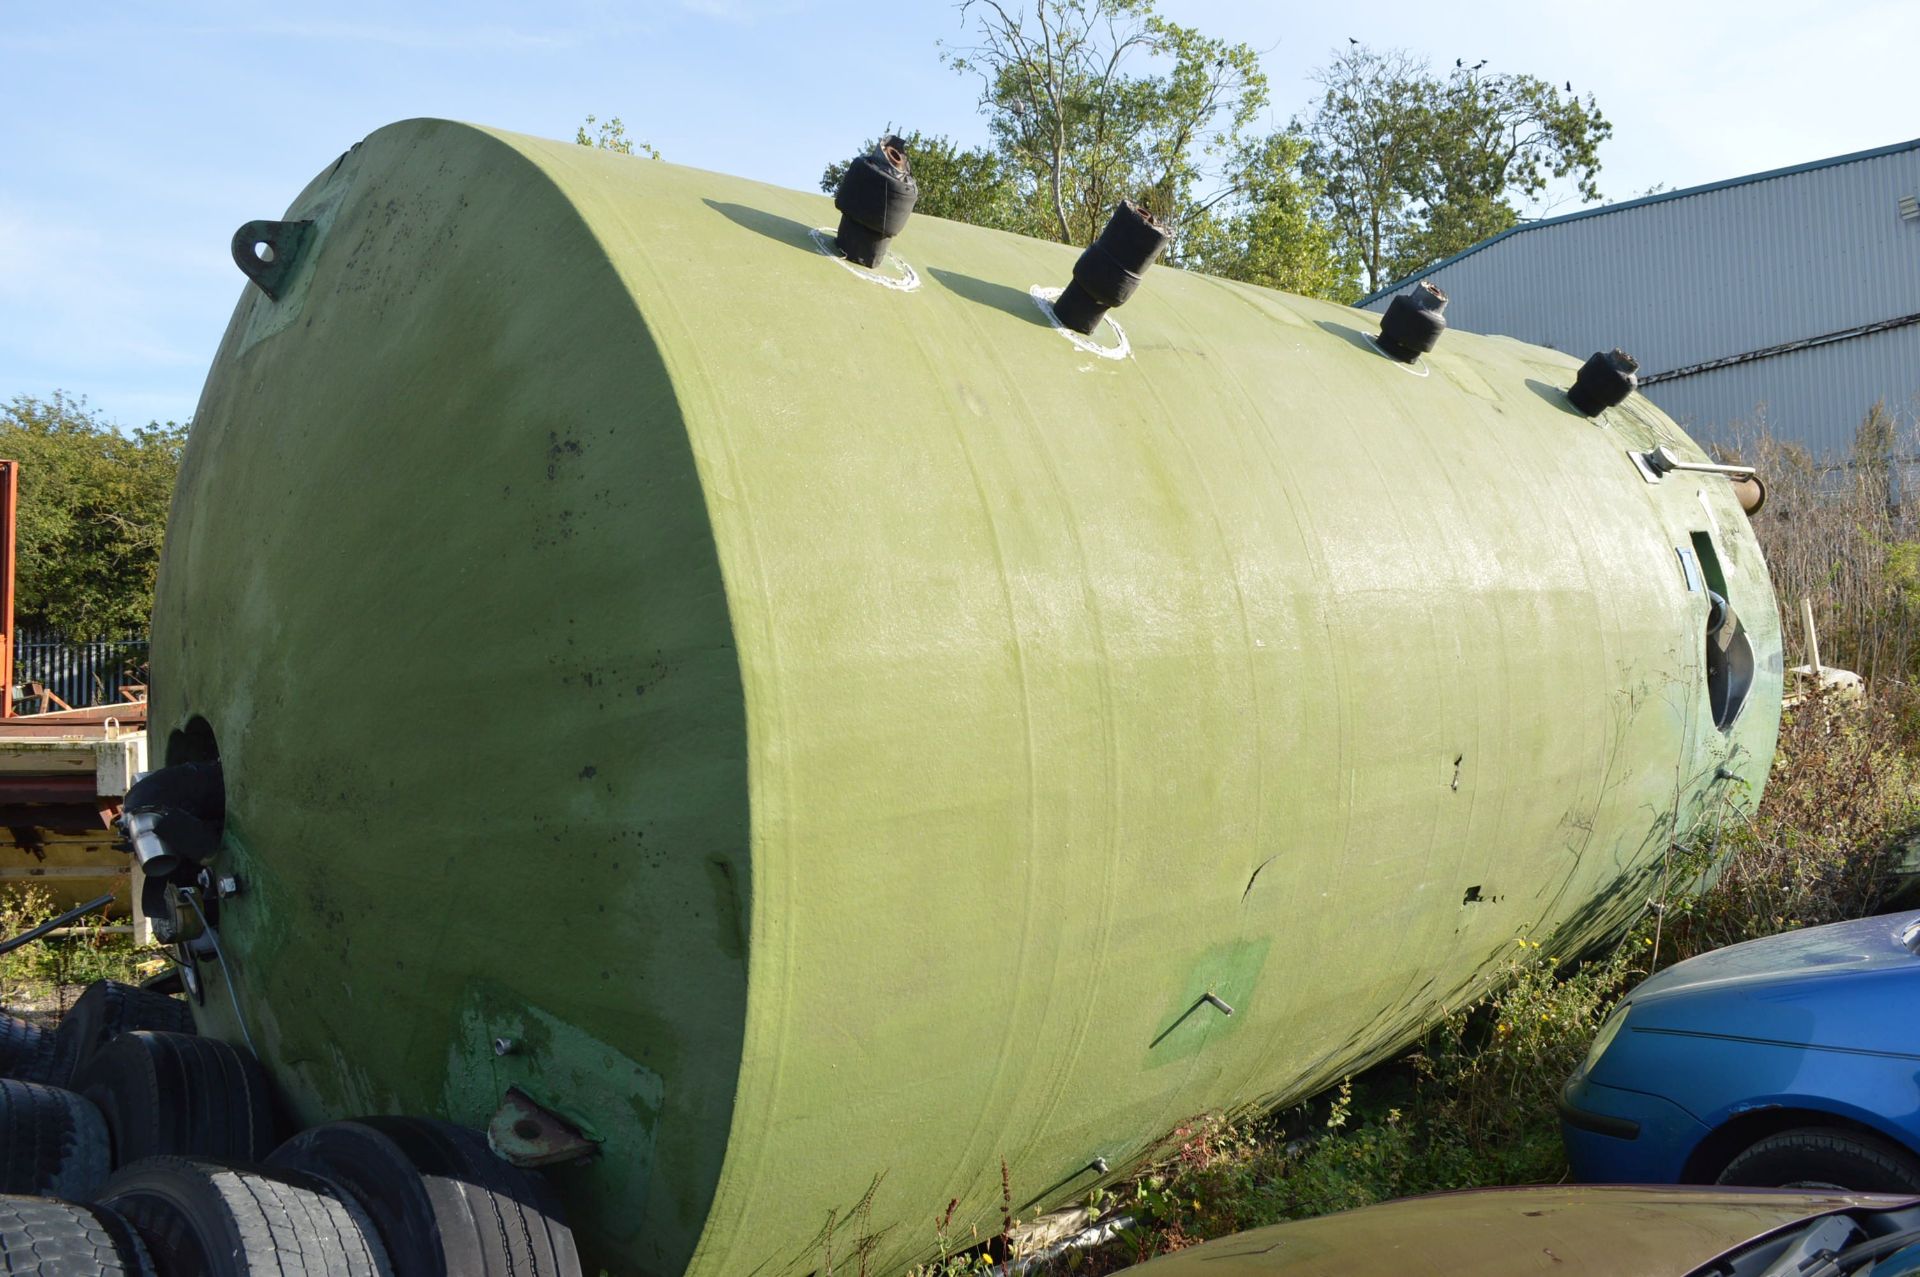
{"x":905,"y":282}
{"x":1044,"y":299}
{"x":1418,"y":368}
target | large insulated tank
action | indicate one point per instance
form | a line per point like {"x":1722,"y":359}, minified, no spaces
{"x":823,"y":734}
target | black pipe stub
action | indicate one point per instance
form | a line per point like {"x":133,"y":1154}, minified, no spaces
{"x":1413,"y":322}
{"x":1110,"y":270}
{"x":875,"y":198}
{"x":268,"y":252}
{"x":1603,"y":381}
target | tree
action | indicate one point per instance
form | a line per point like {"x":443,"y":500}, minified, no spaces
{"x":1269,"y":230}
{"x":1495,"y":140}
{"x":1414,"y":168}
{"x":1368,"y":147}
{"x":1076,"y":128}
{"x":611,"y":135}
{"x":92,"y":513}
{"x":960,"y":183}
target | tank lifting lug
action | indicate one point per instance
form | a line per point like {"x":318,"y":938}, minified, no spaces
{"x":526,"y":1134}
{"x":268,"y":253}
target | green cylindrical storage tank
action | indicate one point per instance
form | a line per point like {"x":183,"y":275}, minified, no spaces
{"x":826,"y":737}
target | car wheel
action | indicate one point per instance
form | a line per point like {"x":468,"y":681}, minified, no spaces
{"x":1823,"y":1157}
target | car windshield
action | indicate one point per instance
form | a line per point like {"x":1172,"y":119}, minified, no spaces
{"x":1885,"y":1243}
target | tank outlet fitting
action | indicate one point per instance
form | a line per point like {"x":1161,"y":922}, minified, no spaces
{"x":1603,"y":381}
{"x":174,"y":817}
{"x":1110,"y":270}
{"x":268,"y":252}
{"x":1750,"y":491}
{"x":875,"y":198}
{"x":1413,"y":322}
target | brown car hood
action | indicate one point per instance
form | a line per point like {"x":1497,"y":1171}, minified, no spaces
{"x":1567,"y":1231}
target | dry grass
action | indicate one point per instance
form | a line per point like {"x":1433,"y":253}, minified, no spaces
{"x":1845,"y":532}
{"x":1841,"y":806}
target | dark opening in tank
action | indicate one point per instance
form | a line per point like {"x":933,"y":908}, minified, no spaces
{"x":193,"y":742}
{"x":1729,"y":652}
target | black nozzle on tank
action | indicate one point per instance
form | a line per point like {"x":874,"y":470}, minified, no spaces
{"x":1110,"y":270}
{"x":875,"y":198}
{"x":1413,"y":322}
{"x":174,"y":817}
{"x":1603,"y":381}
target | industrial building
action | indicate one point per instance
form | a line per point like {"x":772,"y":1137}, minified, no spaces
{"x":1791,"y":296}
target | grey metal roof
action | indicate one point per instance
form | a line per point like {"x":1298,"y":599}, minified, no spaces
{"x":1661,"y":198}
{"x":1791,"y":296}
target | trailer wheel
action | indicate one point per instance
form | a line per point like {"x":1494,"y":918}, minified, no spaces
{"x":51,"y":1141}
{"x":168,"y":1093}
{"x":211,"y":1219}
{"x":41,"y":1237}
{"x":105,"y":1010}
{"x":442,"y":1201}
{"x":26,"y":1049}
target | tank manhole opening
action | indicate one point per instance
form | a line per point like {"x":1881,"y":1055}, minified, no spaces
{"x":193,"y":742}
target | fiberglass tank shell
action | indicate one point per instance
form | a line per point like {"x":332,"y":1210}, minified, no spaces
{"x":837,"y":734}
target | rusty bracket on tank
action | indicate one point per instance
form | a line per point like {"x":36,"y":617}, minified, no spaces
{"x":526,"y":1134}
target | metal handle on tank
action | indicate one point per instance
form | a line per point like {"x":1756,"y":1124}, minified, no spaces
{"x":1662,"y":461}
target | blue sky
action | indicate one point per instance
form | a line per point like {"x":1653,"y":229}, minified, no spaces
{"x":134,"y":137}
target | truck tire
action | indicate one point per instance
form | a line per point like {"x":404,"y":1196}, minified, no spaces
{"x":105,"y":1010}
{"x":21,"y":1043}
{"x":442,"y":1201}
{"x":168,"y":1093}
{"x":52,"y":1142}
{"x":1825,"y":1157}
{"x":41,"y":1237}
{"x":211,"y":1219}
{"x":25,"y":1049}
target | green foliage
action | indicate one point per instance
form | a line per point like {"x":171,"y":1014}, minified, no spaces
{"x":1268,"y":230}
{"x":1367,"y":150}
{"x":1414,"y":168}
{"x":93,"y":510}
{"x":611,"y":135}
{"x":43,"y":975}
{"x":1496,"y":140}
{"x":1089,"y":102}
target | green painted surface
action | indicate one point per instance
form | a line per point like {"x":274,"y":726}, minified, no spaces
{"x":841,"y":731}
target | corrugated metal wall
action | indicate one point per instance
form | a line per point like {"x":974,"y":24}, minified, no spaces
{"x":1697,"y":276}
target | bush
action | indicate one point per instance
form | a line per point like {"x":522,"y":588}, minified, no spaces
{"x":44,"y":976}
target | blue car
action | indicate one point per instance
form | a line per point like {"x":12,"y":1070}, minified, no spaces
{"x":1792,"y":1061}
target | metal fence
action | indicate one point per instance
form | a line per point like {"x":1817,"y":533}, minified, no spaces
{"x":79,"y":673}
